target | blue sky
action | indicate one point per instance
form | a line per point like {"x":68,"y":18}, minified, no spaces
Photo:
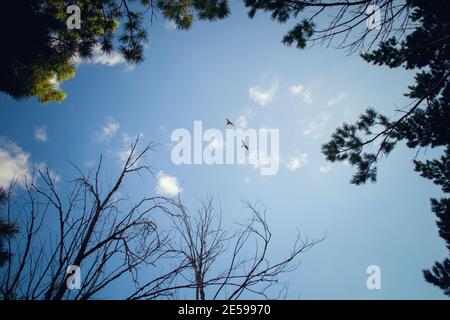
{"x":238,"y":69}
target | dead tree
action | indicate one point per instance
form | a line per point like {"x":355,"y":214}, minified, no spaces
{"x":218,"y":264}
{"x":107,"y":236}
{"x":110,"y":237}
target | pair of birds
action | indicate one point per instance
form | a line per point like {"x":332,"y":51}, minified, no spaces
{"x":231,"y":124}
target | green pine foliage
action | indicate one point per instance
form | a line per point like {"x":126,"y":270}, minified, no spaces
{"x":38,"y":48}
{"x":421,"y":43}
{"x":424,"y":124}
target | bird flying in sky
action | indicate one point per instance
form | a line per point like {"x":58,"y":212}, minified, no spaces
{"x":244,"y":145}
{"x":229,"y":123}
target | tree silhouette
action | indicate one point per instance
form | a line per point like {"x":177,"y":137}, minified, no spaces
{"x":151,"y":241}
{"x":7,"y":229}
{"x":216,"y":263}
{"x":424,"y":123}
{"x":341,"y":23}
{"x":40,"y":51}
{"x":412,"y":34}
{"x":87,"y":227}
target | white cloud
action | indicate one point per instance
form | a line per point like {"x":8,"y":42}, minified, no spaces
{"x":249,"y":112}
{"x":167,"y":186}
{"x":54,"y":81}
{"x":127,"y":143}
{"x":341,"y":96}
{"x":43,"y":168}
{"x":16,"y":166}
{"x":14,"y":163}
{"x":242,"y":122}
{"x":296,"y":161}
{"x":125,"y":151}
{"x":170,"y":25}
{"x":311,"y":127}
{"x":326,"y":168}
{"x":315,"y":127}
{"x":108,"y":130}
{"x":40,"y":133}
{"x":263,"y":97}
{"x":300,"y":90}
{"x":100,"y":57}
{"x":258,"y":161}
